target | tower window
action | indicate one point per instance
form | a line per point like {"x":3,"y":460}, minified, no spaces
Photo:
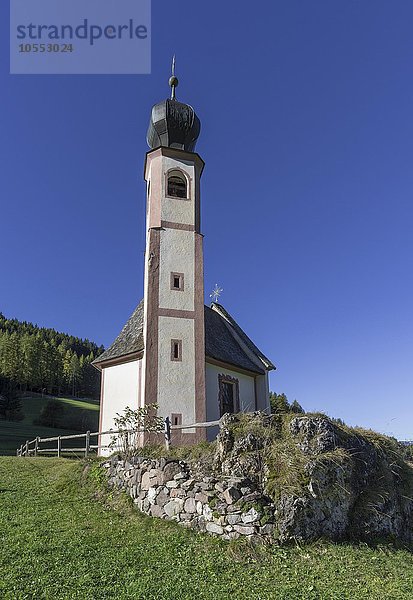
{"x":176,"y":350}
{"x":177,"y":186}
{"x":177,"y":282}
{"x":176,"y":419}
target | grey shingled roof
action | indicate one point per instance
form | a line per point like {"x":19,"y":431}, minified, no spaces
{"x":243,"y":336}
{"x":221,"y":342}
{"x":221,"y":345}
{"x":129,"y":340}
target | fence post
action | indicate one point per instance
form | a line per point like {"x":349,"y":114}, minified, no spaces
{"x":27,"y":448}
{"x":167,"y":429}
{"x":36,"y":445}
{"x":59,"y":446}
{"x":87,"y":445}
{"x":21,"y":450}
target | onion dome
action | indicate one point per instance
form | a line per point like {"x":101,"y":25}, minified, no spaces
{"x":173,"y":124}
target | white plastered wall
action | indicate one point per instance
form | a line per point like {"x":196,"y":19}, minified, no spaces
{"x":263,"y":393}
{"x":121,"y":388}
{"x":176,"y":379}
{"x":177,"y":256}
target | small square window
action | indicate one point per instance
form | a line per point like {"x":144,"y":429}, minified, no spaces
{"x":177,"y":282}
{"x":176,"y":350}
{"x":176,"y":419}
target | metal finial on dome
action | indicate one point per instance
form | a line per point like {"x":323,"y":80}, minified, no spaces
{"x":173,"y":81}
{"x":173,"y":124}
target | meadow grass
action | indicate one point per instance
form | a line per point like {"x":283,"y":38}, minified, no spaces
{"x":15,"y":433}
{"x":58,"y":541}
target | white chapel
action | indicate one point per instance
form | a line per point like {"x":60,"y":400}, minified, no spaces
{"x":194,"y":361}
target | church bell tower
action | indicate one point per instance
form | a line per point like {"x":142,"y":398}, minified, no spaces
{"x":173,"y":369}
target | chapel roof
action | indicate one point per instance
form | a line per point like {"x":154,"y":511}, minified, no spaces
{"x":236,"y":332}
{"x":130,"y":339}
{"x":225,"y":341}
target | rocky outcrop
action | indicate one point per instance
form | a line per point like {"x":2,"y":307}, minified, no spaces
{"x":349,"y":483}
{"x":282,"y":478}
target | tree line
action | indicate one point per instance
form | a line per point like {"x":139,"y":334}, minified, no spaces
{"x":38,"y":359}
{"x":279,"y":404}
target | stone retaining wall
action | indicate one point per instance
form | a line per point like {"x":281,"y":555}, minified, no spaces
{"x":345,"y":484}
{"x":229,"y":507}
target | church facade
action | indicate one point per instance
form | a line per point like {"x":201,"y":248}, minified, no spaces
{"x":192,"y":360}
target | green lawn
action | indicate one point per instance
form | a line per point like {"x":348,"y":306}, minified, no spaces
{"x":59,"y":543}
{"x":13,"y":434}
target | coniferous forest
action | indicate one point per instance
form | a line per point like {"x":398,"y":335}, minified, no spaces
{"x":38,"y":359}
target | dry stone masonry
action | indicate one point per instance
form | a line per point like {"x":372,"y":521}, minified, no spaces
{"x":228,"y":507}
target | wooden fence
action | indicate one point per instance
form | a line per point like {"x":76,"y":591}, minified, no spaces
{"x":32,"y":448}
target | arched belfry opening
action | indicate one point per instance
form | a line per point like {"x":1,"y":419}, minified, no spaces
{"x":177,"y":186}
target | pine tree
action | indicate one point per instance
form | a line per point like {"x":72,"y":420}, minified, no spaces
{"x":72,"y":370}
{"x":279,"y":403}
{"x":76,"y":372}
{"x":31,"y":349}
{"x":11,"y":357}
{"x":296,"y":407}
{"x":6,"y":386}
{"x":90,"y":378}
{"x":55,"y":367}
{"x":11,"y":408}
{"x":67,"y":367}
{"x":60,"y":358}
{"x":47,"y":366}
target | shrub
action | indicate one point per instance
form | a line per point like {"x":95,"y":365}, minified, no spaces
{"x":131,"y":424}
{"x":407,"y":451}
{"x":51,"y":414}
{"x":11,"y":407}
{"x":81,"y":421}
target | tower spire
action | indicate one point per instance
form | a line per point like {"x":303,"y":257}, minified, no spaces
{"x":173,"y":81}
{"x":173,"y":124}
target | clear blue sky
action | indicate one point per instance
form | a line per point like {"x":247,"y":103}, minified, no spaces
{"x":307,"y":135}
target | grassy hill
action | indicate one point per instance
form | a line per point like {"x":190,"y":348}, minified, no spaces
{"x":13,"y":434}
{"x":60,"y":543}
